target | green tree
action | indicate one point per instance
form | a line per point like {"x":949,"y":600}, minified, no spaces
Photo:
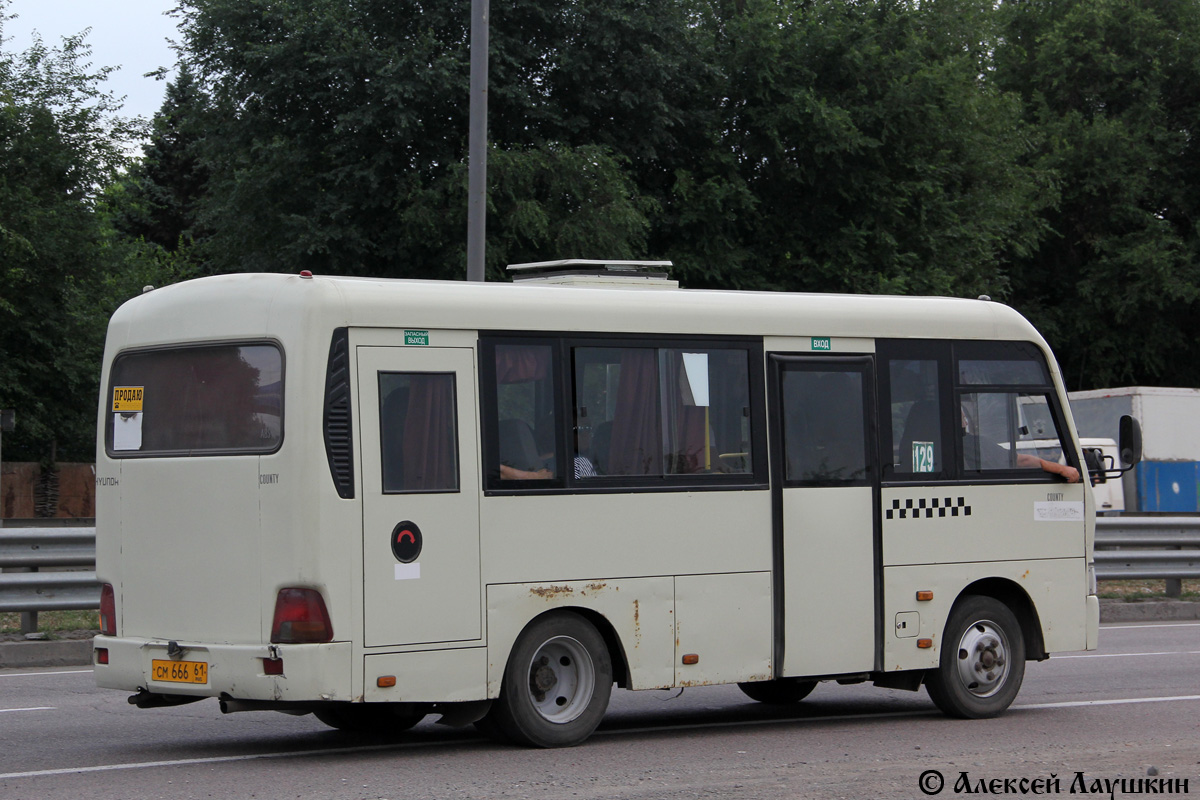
{"x":336,"y":138}
{"x":61,"y":140}
{"x":156,"y":201}
{"x":877,"y":157}
{"x":1113,"y":90}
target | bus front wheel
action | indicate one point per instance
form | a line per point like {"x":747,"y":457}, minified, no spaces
{"x":982,"y":662}
{"x":556,"y":684}
{"x":782,"y":691}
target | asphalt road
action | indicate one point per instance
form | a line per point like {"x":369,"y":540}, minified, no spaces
{"x":1129,"y":709}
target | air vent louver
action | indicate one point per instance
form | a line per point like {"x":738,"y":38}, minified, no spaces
{"x":339,"y":448}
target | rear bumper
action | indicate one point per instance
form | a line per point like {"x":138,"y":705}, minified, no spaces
{"x":1093,"y":622}
{"x":310,"y":671}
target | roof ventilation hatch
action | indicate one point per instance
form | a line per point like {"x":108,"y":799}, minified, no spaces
{"x":596,"y":272}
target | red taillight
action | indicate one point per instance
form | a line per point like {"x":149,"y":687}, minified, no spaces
{"x":272,"y":666}
{"x":108,"y":611}
{"x":300,"y":617}
{"x":101,"y":655}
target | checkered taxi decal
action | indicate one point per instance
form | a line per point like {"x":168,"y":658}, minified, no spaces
{"x":928,"y":508}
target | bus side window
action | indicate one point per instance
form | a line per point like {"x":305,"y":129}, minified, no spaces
{"x":1007,"y":430}
{"x":418,"y":432}
{"x":916,"y":417}
{"x":618,"y":387}
{"x":526,"y":412}
{"x":1005,"y":409}
{"x":645,"y":411}
{"x":706,"y":396}
{"x":564,"y":413}
{"x":823,"y":426}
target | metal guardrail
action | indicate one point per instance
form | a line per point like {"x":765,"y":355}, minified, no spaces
{"x":1115,"y":562}
{"x":32,"y":591}
{"x":47,"y":547}
{"x":49,"y":591}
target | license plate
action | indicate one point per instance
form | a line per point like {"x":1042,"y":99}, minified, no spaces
{"x":179,"y":671}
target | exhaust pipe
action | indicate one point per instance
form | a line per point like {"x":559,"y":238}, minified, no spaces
{"x":230,"y":705}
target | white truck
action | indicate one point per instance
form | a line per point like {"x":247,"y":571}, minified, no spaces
{"x":1166,"y":479}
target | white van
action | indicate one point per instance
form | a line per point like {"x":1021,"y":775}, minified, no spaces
{"x":1107,"y":490}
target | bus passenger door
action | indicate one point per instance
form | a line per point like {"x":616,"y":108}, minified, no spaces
{"x":824,"y":479}
{"x":417,"y":435}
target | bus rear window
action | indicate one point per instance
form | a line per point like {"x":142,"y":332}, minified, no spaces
{"x":202,"y":400}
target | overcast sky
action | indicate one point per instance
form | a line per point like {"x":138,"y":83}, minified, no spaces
{"x":130,"y":34}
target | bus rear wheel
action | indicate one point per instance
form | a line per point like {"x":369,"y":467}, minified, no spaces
{"x":375,"y":719}
{"x":982,"y":661}
{"x":779,"y":692}
{"x":556,"y":685}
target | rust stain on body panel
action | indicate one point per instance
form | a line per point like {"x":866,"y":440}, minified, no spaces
{"x":637,"y":625}
{"x":550,"y":592}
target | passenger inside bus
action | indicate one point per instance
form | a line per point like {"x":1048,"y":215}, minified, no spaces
{"x":518,"y":446}
{"x":923,"y":427}
{"x":980,"y":454}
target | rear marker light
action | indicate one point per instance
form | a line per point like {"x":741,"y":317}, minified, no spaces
{"x":108,"y":611}
{"x":300,"y":618}
{"x":924,"y":595}
{"x":272,"y":666}
{"x":385,"y":681}
{"x":924,"y":644}
{"x":101,"y":655}
{"x":691,"y":658}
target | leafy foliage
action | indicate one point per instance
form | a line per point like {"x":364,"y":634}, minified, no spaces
{"x":877,"y":158}
{"x":158,"y":196}
{"x":61,"y":139}
{"x":336,"y":136}
{"x":1113,"y":90}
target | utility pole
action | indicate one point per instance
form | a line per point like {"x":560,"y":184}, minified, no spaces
{"x":477,"y":143}
{"x":8,"y":421}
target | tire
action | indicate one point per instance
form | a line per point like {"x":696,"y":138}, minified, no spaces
{"x":556,"y":685}
{"x":779,"y":692}
{"x":375,"y":719}
{"x":982,"y":662}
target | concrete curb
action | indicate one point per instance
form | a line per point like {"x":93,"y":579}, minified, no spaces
{"x":78,"y":652}
{"x":63,"y":653}
{"x":1149,"y":611}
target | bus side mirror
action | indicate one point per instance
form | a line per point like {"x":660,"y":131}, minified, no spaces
{"x":1131,"y":441}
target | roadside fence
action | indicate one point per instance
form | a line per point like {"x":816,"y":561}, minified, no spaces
{"x":70,"y":584}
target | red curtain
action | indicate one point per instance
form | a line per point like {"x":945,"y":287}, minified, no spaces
{"x":636,"y":447}
{"x":430,"y":462}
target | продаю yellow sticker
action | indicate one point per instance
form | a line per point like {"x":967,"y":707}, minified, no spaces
{"x":127,"y":398}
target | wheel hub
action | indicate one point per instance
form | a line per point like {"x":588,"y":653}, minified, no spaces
{"x":562,"y":679}
{"x":543,"y":678}
{"x":983,"y":658}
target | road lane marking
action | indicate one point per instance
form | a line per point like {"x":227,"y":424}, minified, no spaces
{"x":1153,"y":625}
{"x":1127,"y":655}
{"x":34,"y":708}
{"x":184,"y":762}
{"x":1125,"y":701}
{"x":30,"y":674}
